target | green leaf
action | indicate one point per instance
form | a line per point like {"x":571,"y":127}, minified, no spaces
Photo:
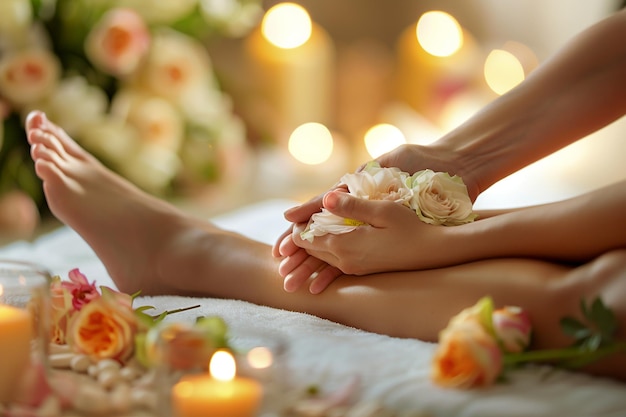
{"x":574,"y":328}
{"x":215,"y":329}
{"x":604,"y":319}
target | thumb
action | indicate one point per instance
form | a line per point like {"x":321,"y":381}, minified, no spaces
{"x":344,"y":205}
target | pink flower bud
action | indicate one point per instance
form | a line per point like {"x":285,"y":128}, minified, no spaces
{"x":513,"y":328}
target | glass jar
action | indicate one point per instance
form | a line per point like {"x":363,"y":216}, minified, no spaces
{"x":24,"y":329}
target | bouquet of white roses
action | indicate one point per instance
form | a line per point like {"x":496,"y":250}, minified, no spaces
{"x":130,"y":80}
{"x":436,"y":197}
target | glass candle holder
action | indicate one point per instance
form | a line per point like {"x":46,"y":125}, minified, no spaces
{"x":24,"y":329}
{"x":191,"y":381}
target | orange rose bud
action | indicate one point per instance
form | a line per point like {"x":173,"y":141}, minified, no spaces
{"x":467,"y":356}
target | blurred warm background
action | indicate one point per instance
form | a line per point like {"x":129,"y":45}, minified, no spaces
{"x":215,"y":104}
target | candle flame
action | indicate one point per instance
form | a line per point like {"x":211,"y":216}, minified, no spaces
{"x":439,"y":33}
{"x":1,"y":290}
{"x":222,"y":366}
{"x":287,"y":25}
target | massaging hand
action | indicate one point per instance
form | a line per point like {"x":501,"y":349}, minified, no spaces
{"x":409,"y":158}
{"x":395,"y":240}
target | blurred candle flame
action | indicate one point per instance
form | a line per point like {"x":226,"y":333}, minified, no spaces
{"x":439,"y":33}
{"x":222,"y":366}
{"x":382,"y":138}
{"x":287,"y":25}
{"x":260,"y":357}
{"x":311,"y":143}
{"x":502,"y":71}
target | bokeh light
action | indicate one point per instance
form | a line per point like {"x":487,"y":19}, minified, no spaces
{"x":502,"y":71}
{"x":311,"y":143}
{"x":383,"y":138}
{"x":439,"y":33}
{"x":287,"y":25}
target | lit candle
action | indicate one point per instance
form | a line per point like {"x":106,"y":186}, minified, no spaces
{"x":292,"y":61}
{"x":219,"y":393}
{"x":437,"y":58}
{"x":16,"y":333}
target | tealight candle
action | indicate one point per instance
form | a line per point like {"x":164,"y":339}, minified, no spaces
{"x":15,"y":336}
{"x":217,"y":393}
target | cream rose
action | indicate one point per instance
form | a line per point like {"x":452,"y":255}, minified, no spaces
{"x":441,"y":199}
{"x":111,"y":139}
{"x":15,"y":17}
{"x":103,"y":329}
{"x":118,"y":42}
{"x":175,"y":66}
{"x":151,"y":167}
{"x":157,"y":121}
{"x":372,"y":183}
{"x":74,"y":93}
{"x":160,"y":11}
{"x":28,"y":76}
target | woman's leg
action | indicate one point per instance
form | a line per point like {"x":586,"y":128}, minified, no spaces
{"x":148,"y":245}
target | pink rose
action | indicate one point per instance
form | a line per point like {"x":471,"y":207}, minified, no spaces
{"x":81,"y":290}
{"x":467,"y":356}
{"x":512,"y":327}
{"x":118,"y":42}
{"x":28,"y":76}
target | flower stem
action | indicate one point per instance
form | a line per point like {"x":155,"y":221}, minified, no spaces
{"x":571,"y":357}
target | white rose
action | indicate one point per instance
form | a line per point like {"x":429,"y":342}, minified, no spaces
{"x":160,"y":11}
{"x":28,"y":76}
{"x":74,"y":105}
{"x":151,"y":167}
{"x":110,"y":139}
{"x":118,"y":42}
{"x":156,"y":119}
{"x":441,"y":199}
{"x":15,"y":17}
{"x":376,"y":183}
{"x":233,"y":17}
{"x":372,"y":183}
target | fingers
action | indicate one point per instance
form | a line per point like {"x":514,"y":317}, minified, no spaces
{"x":324,"y":278}
{"x":344,"y":205}
{"x":303,"y":212}
{"x":298,"y":276}
{"x":276,"y":247}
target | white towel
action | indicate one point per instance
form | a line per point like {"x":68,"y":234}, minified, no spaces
{"x":319,"y":352}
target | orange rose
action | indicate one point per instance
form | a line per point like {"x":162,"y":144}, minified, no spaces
{"x":104,"y":328}
{"x":467,"y":356}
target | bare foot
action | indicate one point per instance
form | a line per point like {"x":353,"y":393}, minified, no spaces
{"x":130,"y":230}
